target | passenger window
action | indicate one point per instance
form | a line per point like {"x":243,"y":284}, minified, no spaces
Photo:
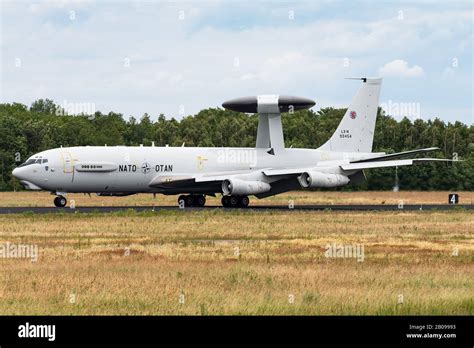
{"x":45,"y":160}
{"x":38,"y":160}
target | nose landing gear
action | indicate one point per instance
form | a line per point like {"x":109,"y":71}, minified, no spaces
{"x":60,"y":201}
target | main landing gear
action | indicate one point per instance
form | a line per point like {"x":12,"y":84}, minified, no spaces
{"x":235,"y":201}
{"x":192,"y":200}
{"x":60,"y":201}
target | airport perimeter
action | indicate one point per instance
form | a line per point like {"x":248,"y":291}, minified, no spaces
{"x":217,"y":261}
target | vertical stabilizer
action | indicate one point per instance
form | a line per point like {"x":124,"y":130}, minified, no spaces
{"x":355,"y":133}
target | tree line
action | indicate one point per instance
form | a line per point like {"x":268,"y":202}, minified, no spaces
{"x":44,"y":125}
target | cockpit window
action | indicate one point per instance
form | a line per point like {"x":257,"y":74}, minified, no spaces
{"x":36,"y":159}
{"x":28,"y":162}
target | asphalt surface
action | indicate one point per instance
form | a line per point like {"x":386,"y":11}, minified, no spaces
{"x":108,"y":209}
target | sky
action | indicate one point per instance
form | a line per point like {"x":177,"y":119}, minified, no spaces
{"x":178,"y":57}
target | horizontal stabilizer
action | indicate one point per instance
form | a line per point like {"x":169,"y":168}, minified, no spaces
{"x":395,"y":155}
{"x":395,"y":163}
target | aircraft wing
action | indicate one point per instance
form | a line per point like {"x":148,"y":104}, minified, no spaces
{"x":168,"y":180}
{"x":185,"y":179}
{"x":286,"y":171}
{"x":394,"y":163}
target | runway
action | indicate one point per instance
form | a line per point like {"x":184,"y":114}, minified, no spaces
{"x":328,"y":207}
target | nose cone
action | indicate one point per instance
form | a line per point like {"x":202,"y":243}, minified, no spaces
{"x":17,"y":173}
{"x":24,"y":175}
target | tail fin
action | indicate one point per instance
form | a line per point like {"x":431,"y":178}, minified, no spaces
{"x":355,"y":133}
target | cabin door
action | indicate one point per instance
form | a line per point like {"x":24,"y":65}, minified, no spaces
{"x":68,"y":165}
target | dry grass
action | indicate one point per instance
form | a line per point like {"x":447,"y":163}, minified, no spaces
{"x":239,"y":262}
{"x":28,"y":198}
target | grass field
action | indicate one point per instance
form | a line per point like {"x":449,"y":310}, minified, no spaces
{"x":29,"y":198}
{"x":240,"y":262}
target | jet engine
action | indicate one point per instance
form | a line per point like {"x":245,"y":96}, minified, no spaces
{"x":316,"y":179}
{"x":244,"y":187}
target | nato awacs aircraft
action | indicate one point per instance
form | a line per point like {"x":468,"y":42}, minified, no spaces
{"x":194,"y":172}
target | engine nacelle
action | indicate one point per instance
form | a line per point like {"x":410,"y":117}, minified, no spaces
{"x":316,"y":179}
{"x":244,"y":187}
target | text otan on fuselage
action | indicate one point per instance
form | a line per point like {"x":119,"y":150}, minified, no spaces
{"x":132,"y":168}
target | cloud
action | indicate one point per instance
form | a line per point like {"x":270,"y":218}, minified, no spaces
{"x":192,"y":61}
{"x":399,"y":68}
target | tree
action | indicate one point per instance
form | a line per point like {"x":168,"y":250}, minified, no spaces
{"x":26,"y":131}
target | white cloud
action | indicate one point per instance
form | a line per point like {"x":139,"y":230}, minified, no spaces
{"x":400,"y":68}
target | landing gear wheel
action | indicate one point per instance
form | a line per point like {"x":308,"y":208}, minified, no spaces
{"x":225,"y":201}
{"x":60,"y":201}
{"x":199,"y":201}
{"x":233,"y":201}
{"x":244,"y":201}
{"x":182,"y":201}
{"x":189,"y":200}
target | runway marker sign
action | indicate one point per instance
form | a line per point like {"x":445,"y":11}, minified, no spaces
{"x":453,"y":198}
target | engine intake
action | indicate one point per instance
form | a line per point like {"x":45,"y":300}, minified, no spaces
{"x":244,"y":187}
{"x":316,"y":179}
